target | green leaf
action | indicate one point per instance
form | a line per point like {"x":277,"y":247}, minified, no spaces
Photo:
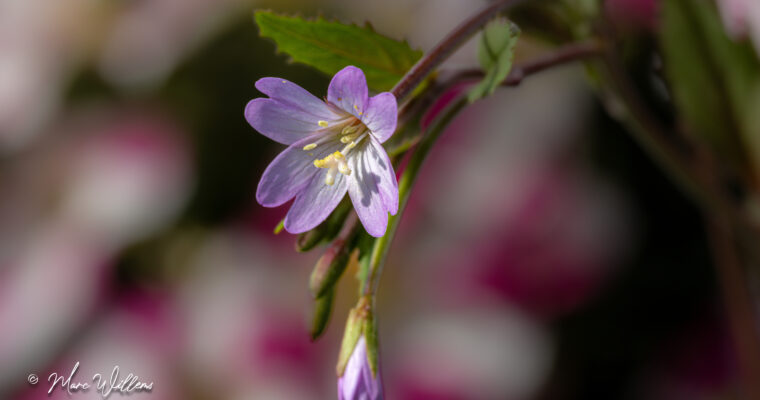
{"x":712,"y":78}
{"x":329,"y":46}
{"x":495,"y":53}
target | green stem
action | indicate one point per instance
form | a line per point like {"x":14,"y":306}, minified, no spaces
{"x":405,"y":184}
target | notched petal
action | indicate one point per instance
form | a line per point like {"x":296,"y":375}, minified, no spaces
{"x":279,"y":121}
{"x":294,"y":96}
{"x":348,"y":91}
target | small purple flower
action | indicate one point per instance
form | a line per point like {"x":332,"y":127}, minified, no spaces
{"x":357,"y":382}
{"x":334,"y":146}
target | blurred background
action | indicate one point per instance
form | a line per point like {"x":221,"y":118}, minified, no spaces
{"x":556,"y":263}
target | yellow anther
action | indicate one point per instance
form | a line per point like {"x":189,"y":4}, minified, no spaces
{"x":357,"y":109}
{"x":284,"y":81}
{"x":322,"y":123}
{"x":310,"y":146}
{"x":350,"y":146}
{"x":328,"y":161}
{"x":338,"y":156}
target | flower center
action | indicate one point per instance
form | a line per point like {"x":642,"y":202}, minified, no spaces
{"x":350,"y":132}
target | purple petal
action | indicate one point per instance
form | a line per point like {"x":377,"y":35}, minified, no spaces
{"x":357,"y":382}
{"x":381,"y":115}
{"x":348,"y":90}
{"x":295,"y":96}
{"x":285,"y":176}
{"x":290,"y":172}
{"x":373,"y":187}
{"x":387,"y":183}
{"x":290,"y":114}
{"x":315,"y":202}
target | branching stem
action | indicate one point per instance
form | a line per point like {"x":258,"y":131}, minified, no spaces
{"x":448,"y":45}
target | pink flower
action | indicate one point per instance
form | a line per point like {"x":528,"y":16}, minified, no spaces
{"x":334,"y":147}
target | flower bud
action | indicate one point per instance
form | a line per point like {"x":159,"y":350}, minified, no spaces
{"x":358,"y":382}
{"x":329,"y":268}
{"x":355,"y":324}
{"x":322,"y":311}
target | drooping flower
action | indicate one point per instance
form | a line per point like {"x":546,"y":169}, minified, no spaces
{"x":357,"y":381}
{"x":334,"y":146}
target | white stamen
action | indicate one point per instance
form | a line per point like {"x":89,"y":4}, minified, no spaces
{"x":343,"y":168}
{"x":330,"y":177}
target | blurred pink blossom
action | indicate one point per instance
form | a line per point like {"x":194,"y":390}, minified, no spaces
{"x":139,"y":334}
{"x":245,"y":322}
{"x":555,"y":251}
{"x":480,"y":351}
{"x":149,"y":38}
{"x":41,"y":42}
{"x":130,"y":176}
{"x":741,"y":18}
{"x":49,"y":288}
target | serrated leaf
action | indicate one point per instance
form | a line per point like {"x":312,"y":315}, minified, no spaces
{"x":495,"y":53}
{"x":329,"y":46}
